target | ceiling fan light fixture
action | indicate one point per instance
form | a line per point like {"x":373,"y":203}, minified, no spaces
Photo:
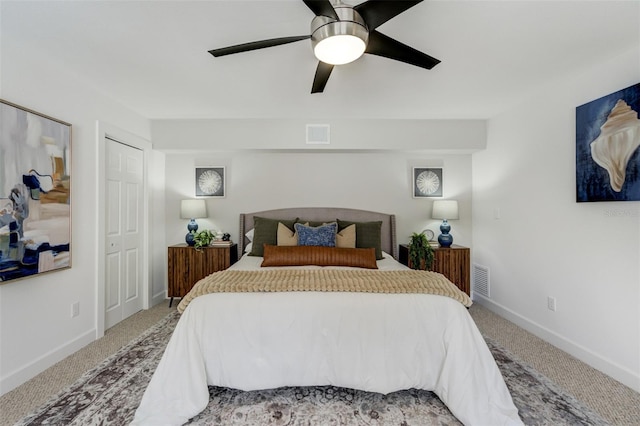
{"x":339,"y":42}
{"x":339,"y":49}
{"x":340,"y":34}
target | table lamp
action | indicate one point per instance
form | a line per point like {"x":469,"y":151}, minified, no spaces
{"x":445,"y":210}
{"x":192,"y":209}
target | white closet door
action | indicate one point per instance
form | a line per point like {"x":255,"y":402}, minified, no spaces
{"x":124,"y":216}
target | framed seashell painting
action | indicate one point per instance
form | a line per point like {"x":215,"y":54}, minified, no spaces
{"x":607,"y":147}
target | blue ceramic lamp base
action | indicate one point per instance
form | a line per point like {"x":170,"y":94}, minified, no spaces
{"x":445,"y":239}
{"x":192,"y":227}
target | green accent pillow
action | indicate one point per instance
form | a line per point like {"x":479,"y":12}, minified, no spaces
{"x":266,"y":232}
{"x":368,"y":234}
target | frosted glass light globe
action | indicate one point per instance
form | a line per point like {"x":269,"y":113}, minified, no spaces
{"x":339,"y":49}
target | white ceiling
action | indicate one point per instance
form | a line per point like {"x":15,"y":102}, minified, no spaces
{"x":152,"y":55}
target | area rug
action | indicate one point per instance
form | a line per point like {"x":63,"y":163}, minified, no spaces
{"x":110,"y":393}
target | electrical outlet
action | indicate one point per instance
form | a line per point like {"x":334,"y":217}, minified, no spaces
{"x":551,"y":303}
{"x":75,"y":309}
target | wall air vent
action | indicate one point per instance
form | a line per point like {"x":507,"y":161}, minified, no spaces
{"x":481,"y":283}
{"x":318,"y":134}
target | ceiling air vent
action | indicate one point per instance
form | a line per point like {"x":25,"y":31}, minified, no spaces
{"x":318,"y":134}
{"x":481,"y":281}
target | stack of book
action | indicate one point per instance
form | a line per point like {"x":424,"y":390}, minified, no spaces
{"x":221,"y":243}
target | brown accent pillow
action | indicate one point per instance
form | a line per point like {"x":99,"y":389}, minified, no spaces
{"x":320,"y":256}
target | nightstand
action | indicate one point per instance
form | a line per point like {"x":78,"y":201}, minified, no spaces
{"x":186,"y":265}
{"x":452,"y":262}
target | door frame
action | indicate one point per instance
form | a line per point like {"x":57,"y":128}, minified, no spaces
{"x":103,"y":131}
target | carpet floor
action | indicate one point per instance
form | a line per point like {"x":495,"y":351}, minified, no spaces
{"x":109,"y":395}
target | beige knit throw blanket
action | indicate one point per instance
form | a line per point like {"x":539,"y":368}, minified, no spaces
{"x":363,"y":281}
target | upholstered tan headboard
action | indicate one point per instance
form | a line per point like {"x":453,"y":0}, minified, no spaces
{"x":325,"y":214}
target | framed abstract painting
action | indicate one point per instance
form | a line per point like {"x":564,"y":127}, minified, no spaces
{"x":35,"y":193}
{"x":607,"y":141}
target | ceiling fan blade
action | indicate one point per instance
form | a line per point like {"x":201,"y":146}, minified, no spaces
{"x":377,"y":12}
{"x":322,"y":8}
{"x":382,"y":45}
{"x":246,"y":47}
{"x":322,"y":75}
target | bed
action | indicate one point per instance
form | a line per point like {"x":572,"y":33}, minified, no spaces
{"x":252,"y":338}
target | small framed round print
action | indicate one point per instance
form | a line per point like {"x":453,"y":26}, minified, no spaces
{"x":427,"y":182}
{"x":210,"y":182}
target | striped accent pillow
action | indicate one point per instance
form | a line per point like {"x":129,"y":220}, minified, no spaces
{"x":319,"y":256}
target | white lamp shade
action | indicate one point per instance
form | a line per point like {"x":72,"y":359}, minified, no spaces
{"x":445,"y":209}
{"x":193,"y":209}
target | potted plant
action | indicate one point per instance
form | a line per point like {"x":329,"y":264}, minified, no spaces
{"x":203,"y":238}
{"x":420,"y":252}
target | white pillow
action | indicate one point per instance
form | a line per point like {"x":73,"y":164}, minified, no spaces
{"x":248,"y":248}
{"x":249,"y":234}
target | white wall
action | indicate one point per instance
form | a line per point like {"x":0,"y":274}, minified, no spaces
{"x":459,"y":136}
{"x":370,"y":181}
{"x":368,"y":165}
{"x":586,"y":255}
{"x":157,"y":243}
{"x":36,"y":328}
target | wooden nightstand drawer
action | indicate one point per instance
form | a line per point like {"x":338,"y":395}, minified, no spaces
{"x":186,"y":265}
{"x":452,"y":262}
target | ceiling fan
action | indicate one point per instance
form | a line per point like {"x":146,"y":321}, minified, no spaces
{"x":341,"y":34}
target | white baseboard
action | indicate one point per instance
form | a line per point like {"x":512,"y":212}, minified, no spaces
{"x":158,"y":298}
{"x":23,"y":374}
{"x":608,"y":367}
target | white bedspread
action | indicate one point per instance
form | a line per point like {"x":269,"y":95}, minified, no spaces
{"x":373,"y":342}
